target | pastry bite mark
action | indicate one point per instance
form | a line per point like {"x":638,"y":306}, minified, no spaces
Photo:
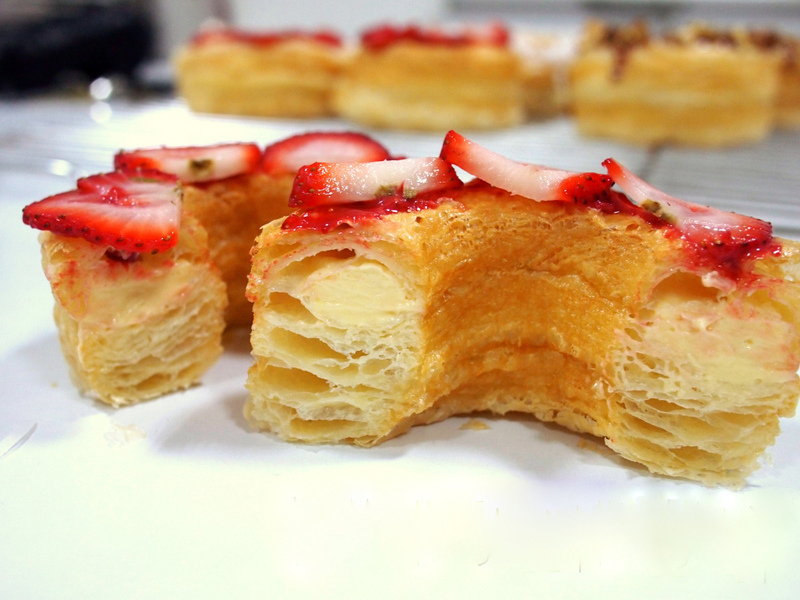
{"x":289,"y":154}
{"x":337,"y":194}
{"x":587,"y":319}
{"x":381,"y":37}
{"x":193,"y":164}
{"x":128,"y":213}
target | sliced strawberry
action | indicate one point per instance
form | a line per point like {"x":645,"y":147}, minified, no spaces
{"x":700,"y":224}
{"x":193,"y":164}
{"x":124,"y":212}
{"x":288,"y":155}
{"x":528,"y":180}
{"x":342,"y":183}
{"x":492,"y":34}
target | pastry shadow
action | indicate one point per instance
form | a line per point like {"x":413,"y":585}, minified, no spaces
{"x":37,"y":388}
{"x":213,"y":426}
{"x":518,"y":442}
{"x":515,"y":442}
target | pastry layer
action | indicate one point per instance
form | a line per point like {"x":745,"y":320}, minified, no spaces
{"x":494,"y":302}
{"x":232,"y":212}
{"x":292,"y":78}
{"x":788,"y":99}
{"x":428,"y":87}
{"x":131,"y":331}
{"x":697,"y":95}
{"x":694,"y":86}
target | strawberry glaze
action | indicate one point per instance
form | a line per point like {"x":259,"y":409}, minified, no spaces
{"x":326,"y":218}
{"x":382,"y":37}
{"x":593,"y":190}
{"x":212,"y":36}
{"x":723,"y":254}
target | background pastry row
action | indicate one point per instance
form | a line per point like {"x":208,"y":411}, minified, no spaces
{"x":695,"y":86}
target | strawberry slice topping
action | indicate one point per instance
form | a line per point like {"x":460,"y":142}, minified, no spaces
{"x":131,"y":214}
{"x":492,"y":34}
{"x":699,"y":224}
{"x":528,"y":180}
{"x":720,"y":242}
{"x":343,"y":183}
{"x":214,"y":35}
{"x":193,"y":164}
{"x":288,"y":155}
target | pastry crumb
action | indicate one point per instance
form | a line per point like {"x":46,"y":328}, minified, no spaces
{"x":121,"y":435}
{"x":475,"y":424}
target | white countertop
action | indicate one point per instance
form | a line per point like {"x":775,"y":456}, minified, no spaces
{"x":178,"y":498}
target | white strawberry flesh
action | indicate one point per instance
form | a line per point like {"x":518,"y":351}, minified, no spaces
{"x":344,"y":183}
{"x":193,"y":164}
{"x":701,"y":224}
{"x":528,"y":180}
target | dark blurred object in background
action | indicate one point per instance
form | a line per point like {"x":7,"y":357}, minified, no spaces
{"x":72,"y":43}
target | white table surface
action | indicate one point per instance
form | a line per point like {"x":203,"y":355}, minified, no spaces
{"x":179,"y":498}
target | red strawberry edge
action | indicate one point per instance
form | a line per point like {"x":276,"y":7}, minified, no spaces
{"x":383,"y":36}
{"x":289,"y":154}
{"x":129,"y":214}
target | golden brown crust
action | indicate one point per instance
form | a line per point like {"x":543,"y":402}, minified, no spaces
{"x":498,"y":303}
